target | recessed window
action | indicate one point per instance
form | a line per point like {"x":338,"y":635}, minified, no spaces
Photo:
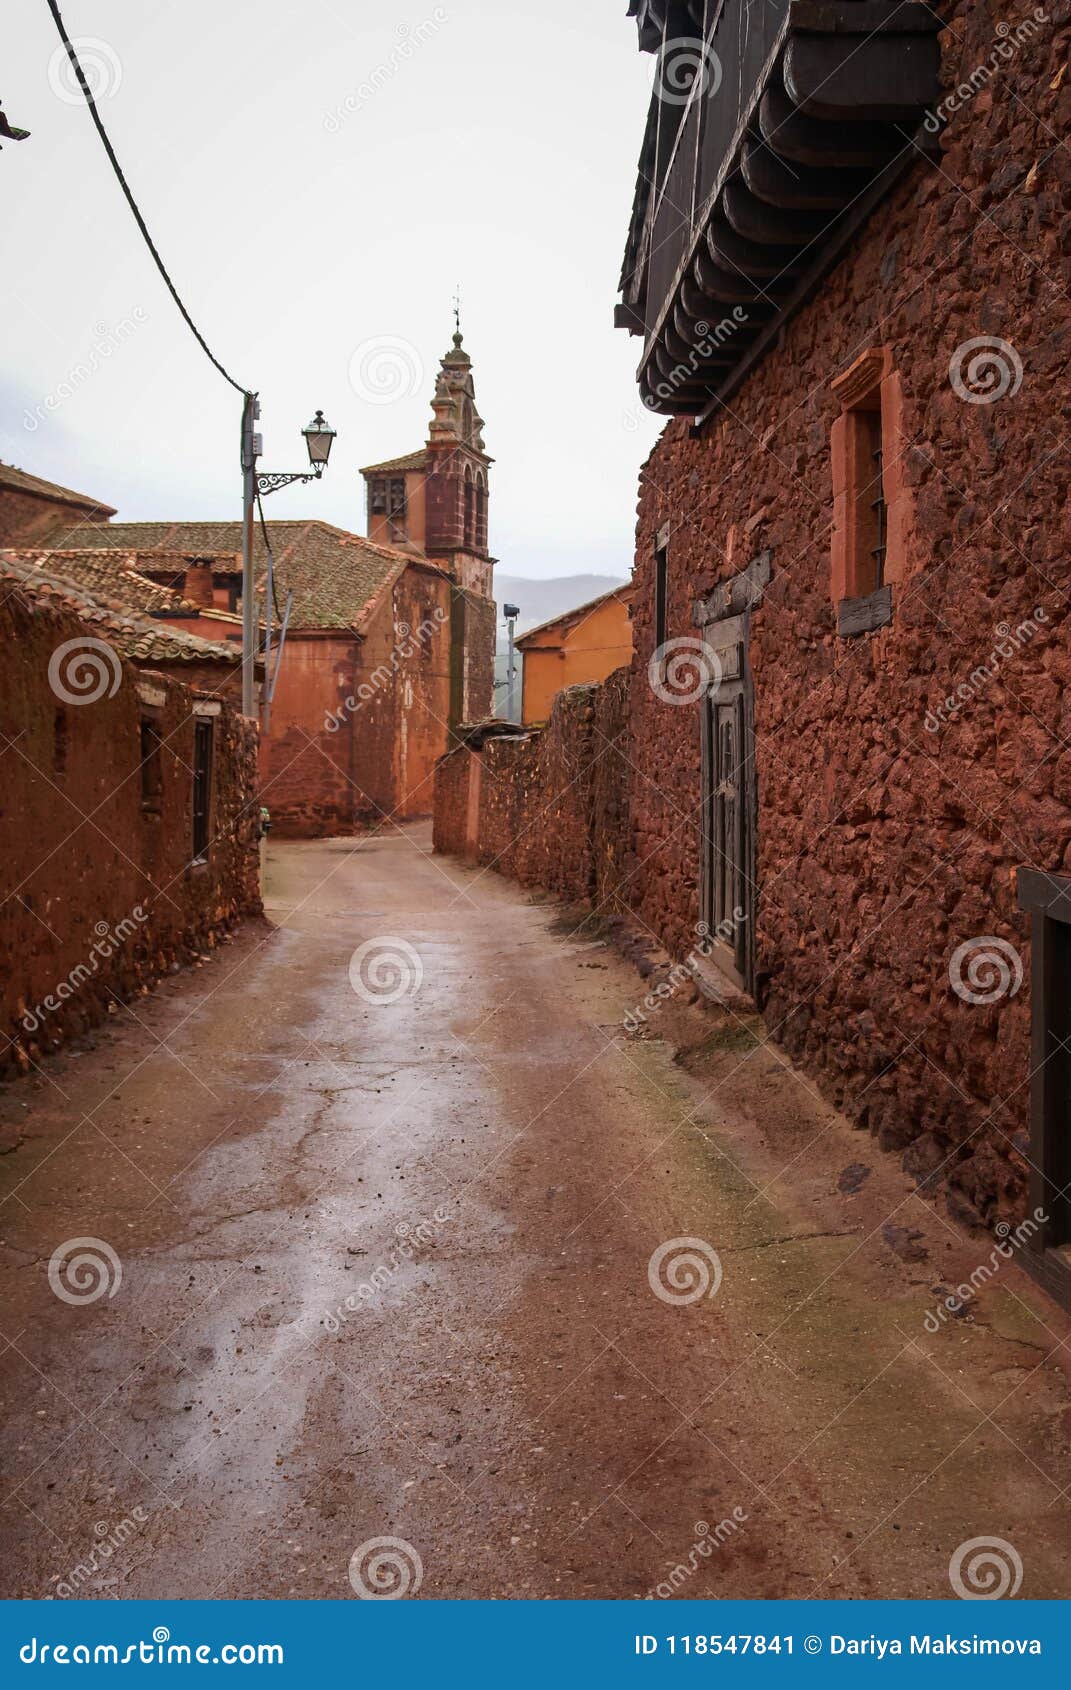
{"x":396,"y":508}
{"x":661,"y":595}
{"x":868,"y":532}
{"x":202,"y":788}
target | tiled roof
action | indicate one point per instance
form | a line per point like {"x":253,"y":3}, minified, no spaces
{"x":20,"y":482}
{"x":337,"y":578}
{"x":412,"y":460}
{"x":110,"y":572}
{"x":136,"y":637}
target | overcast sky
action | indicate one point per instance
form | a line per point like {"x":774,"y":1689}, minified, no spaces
{"x":319,"y":177}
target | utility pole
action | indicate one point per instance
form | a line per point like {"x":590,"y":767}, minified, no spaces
{"x":252,"y":447}
{"x":319,"y":437}
{"x":512,"y":612}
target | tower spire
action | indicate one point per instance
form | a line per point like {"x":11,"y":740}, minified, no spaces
{"x":457,"y":315}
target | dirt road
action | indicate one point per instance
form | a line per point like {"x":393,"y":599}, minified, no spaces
{"x":377,"y":1232}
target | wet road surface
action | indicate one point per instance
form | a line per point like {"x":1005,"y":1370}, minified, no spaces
{"x":382,"y":1188}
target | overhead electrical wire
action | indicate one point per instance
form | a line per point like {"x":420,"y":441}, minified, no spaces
{"x":138,"y":218}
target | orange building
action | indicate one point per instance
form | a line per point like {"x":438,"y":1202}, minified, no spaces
{"x":586,"y":644}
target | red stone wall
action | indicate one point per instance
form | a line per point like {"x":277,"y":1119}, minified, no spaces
{"x":357,"y":725}
{"x":551,"y":806}
{"x":884,"y":844}
{"x":101,"y":895}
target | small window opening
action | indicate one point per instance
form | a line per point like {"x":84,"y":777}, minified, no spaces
{"x":202,"y":788}
{"x":661,"y":593}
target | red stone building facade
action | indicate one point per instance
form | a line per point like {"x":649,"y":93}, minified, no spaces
{"x":128,"y":815}
{"x":32,"y":511}
{"x":851,"y":613}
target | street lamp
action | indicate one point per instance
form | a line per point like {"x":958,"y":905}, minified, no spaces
{"x":319,"y":438}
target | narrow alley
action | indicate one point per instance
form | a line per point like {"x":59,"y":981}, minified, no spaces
{"x":383,"y":1189}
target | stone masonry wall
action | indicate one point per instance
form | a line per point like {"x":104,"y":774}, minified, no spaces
{"x":553,"y":804}
{"x":890,"y":827}
{"x":100,"y":894}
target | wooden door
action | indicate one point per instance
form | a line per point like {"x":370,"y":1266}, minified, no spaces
{"x":727,"y":885}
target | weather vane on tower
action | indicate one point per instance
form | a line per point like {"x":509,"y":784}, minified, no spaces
{"x":457,"y":313}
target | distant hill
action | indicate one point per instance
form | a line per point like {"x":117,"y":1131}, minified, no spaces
{"x":538,"y":601}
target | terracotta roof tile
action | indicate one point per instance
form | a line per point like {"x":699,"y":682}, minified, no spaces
{"x":411,"y":460}
{"x":19,"y":481}
{"x":109,"y":571}
{"x":337,"y":578}
{"x":136,"y":637}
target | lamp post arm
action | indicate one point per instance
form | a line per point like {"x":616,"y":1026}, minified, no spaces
{"x":269,"y":481}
